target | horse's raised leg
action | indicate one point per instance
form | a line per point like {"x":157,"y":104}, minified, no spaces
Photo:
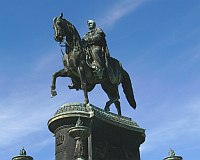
{"x":60,"y":73}
{"x":83,"y":84}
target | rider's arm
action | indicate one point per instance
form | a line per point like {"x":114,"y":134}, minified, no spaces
{"x":99,"y":35}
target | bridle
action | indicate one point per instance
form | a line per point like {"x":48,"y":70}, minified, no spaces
{"x":58,"y":27}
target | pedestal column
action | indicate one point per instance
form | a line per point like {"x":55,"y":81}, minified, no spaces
{"x":71,"y":127}
{"x":80,"y":134}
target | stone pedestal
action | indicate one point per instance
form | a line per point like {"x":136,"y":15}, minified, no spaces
{"x":89,"y":133}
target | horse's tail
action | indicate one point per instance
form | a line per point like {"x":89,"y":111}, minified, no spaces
{"x":127,"y":88}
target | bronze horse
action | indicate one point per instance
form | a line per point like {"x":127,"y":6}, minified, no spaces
{"x":76,"y":67}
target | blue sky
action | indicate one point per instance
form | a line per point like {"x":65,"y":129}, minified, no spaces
{"x":158,"y":43}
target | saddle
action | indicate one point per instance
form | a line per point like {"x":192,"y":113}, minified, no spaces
{"x":113,"y":67}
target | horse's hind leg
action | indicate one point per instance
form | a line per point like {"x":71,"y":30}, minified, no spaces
{"x":106,"y":88}
{"x":107,"y":106}
{"x":111,"y":101}
{"x":117,"y":105}
{"x":113,"y":95}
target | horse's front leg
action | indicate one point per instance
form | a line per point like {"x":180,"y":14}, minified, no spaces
{"x":60,"y":73}
{"x":83,"y":84}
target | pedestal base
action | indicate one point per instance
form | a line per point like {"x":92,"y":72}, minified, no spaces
{"x":111,"y":137}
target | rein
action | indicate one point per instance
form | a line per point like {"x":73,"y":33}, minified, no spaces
{"x":65,"y":44}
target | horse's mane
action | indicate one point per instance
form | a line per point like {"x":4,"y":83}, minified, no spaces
{"x":75,"y":39}
{"x":72,"y":29}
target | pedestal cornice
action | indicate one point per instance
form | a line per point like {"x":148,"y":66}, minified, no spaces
{"x":71,"y":110}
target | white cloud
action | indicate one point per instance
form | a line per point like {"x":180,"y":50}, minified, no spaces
{"x":27,"y":106}
{"x":175,"y":127}
{"x":118,"y":11}
{"x":20,"y":117}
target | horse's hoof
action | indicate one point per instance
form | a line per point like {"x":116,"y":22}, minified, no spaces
{"x":53,"y":93}
{"x":86,"y":101}
{"x":119,"y":114}
{"x":106,"y":109}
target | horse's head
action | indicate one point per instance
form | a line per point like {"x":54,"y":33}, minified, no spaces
{"x":66,"y":32}
{"x":58,"y":26}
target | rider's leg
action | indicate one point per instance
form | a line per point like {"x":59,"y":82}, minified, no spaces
{"x":98,"y":61}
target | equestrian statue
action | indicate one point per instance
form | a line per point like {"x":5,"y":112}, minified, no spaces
{"x":87,"y":62}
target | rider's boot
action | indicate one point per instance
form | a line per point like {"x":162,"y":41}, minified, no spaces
{"x":98,"y":73}
{"x":73,"y":86}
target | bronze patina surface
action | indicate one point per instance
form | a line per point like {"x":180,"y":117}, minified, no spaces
{"x":87,"y":62}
